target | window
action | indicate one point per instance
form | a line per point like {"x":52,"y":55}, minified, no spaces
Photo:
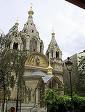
{"x":25,"y":30}
{"x":52,"y":53}
{"x":15,"y":46}
{"x":32,"y":31}
{"x":57,"y":54}
{"x":33,"y":49}
{"x":33,"y":45}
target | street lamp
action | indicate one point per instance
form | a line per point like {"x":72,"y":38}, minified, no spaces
{"x":18,"y":68}
{"x":17,"y":82}
{"x":69,"y":64}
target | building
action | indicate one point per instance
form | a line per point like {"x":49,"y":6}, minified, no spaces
{"x":78,"y":83}
{"x":41,"y":71}
{"x":79,"y":3}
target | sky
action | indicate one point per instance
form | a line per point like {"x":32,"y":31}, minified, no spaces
{"x":65,"y":19}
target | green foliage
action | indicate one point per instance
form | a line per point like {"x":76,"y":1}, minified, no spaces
{"x":52,"y":100}
{"x":50,"y":97}
{"x":12,"y":61}
{"x":79,"y":100}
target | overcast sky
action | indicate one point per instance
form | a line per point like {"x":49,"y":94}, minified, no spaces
{"x":67,"y":20}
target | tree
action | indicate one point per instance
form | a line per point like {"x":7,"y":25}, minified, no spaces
{"x":11,"y":60}
{"x":81,"y":77}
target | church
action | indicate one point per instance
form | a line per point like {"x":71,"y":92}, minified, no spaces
{"x":41,"y":71}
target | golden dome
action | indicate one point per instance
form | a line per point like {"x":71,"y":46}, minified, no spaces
{"x":30,"y":12}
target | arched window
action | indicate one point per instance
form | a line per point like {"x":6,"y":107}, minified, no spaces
{"x":33,"y":45}
{"x":52,"y":53}
{"x":57,"y":54}
{"x":15,"y":46}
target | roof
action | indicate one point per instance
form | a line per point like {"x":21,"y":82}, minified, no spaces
{"x":37,"y":75}
{"x":53,"y":43}
{"x":47,"y":78}
{"x":34,"y":75}
{"x":1,"y":33}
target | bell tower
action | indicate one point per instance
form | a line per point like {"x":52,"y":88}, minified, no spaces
{"x":33,"y":41}
{"x":53,"y":52}
{"x":14,"y":40}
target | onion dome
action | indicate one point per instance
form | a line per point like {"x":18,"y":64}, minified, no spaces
{"x":30,"y":12}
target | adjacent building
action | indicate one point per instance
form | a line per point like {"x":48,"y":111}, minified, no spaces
{"x":78,"y":68}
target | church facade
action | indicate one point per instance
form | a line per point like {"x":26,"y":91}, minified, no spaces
{"x":41,"y":71}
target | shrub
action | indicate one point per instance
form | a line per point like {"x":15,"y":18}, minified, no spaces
{"x":58,"y":103}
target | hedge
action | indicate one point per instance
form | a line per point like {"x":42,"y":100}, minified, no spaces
{"x":54,"y":102}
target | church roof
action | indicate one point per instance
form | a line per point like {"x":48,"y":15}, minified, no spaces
{"x":53,"y":44}
{"x":47,"y":78}
{"x":14,"y":28}
{"x":30,"y":28}
{"x":38,"y":74}
{"x":2,"y":33}
{"x":35,"y":74}
{"x":53,"y":40}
